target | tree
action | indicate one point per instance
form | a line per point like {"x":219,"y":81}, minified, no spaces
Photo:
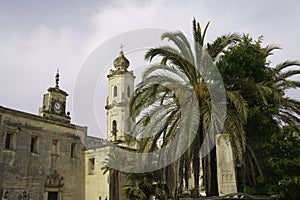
{"x":283,"y":165}
{"x":245,"y":67}
{"x":162,"y":94}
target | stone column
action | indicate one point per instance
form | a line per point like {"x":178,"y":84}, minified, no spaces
{"x":225,"y":165}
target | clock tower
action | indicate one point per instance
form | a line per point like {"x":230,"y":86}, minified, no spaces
{"x":54,"y":104}
{"x":120,"y":88}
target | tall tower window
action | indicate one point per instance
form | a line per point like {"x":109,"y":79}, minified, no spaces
{"x":33,"y":144}
{"x":115,"y":91}
{"x":128,"y":91}
{"x":9,"y":141}
{"x":55,"y":147}
{"x":73,"y":150}
{"x":114,"y":128}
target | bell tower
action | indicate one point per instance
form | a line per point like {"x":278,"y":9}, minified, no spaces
{"x":54,"y":103}
{"x":120,"y":88}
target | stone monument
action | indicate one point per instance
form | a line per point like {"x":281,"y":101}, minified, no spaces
{"x":225,"y":165}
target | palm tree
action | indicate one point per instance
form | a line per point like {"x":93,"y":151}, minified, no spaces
{"x":174,"y":99}
{"x":289,"y":110}
{"x":143,"y":186}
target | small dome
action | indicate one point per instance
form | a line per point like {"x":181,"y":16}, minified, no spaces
{"x":121,"y":62}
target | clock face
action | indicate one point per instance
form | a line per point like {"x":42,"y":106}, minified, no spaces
{"x":57,"y":106}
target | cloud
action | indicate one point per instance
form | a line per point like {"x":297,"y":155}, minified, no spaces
{"x":29,"y":62}
{"x":39,"y":38}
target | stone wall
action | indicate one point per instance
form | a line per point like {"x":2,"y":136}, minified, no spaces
{"x":40,"y":156}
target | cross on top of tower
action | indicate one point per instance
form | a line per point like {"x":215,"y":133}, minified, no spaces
{"x":57,"y":79}
{"x":121,"y":47}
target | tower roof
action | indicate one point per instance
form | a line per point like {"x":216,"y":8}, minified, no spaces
{"x":121,"y":62}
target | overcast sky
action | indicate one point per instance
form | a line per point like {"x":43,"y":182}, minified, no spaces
{"x":37,"y":37}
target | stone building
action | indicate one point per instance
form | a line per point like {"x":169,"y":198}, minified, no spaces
{"x":45,"y":157}
{"x":41,"y":156}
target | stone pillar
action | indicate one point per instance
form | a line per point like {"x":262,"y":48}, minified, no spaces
{"x":225,"y":165}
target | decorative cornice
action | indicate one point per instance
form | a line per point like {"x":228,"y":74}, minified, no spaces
{"x":119,"y":72}
{"x":13,"y":112}
{"x":111,"y":105}
{"x":54,"y":89}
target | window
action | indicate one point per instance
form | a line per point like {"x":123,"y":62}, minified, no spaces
{"x":9,"y":141}
{"x":55,"y":147}
{"x":91,"y":166}
{"x":114,"y":128}
{"x":33,"y":144}
{"x":73,"y":150}
{"x":128,"y":91}
{"x":115,"y":91}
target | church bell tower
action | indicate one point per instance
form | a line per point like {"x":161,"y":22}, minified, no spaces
{"x":54,"y":104}
{"x":120,"y":88}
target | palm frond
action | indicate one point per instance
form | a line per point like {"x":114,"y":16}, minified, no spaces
{"x":181,"y":42}
{"x":281,"y":66}
{"x":221,"y":43}
{"x":270,"y":48}
{"x":238,"y":102}
{"x":289,"y":74}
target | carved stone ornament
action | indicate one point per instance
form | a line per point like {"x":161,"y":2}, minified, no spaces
{"x":54,"y":180}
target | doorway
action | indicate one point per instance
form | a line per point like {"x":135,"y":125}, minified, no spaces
{"x":52,"y":195}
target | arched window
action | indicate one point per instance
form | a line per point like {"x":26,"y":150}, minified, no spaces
{"x":114,"y":128}
{"x":115,"y":91}
{"x":128,"y":91}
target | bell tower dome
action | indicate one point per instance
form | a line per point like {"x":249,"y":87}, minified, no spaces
{"x":120,"y":88}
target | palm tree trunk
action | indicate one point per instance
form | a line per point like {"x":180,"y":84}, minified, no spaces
{"x":181,"y":168}
{"x":206,"y":175}
{"x":187,"y":167}
{"x":210,"y":174}
{"x":214,"y":176}
{"x":114,"y":185}
{"x":196,"y":145}
{"x":170,"y":179}
{"x":196,"y":170}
